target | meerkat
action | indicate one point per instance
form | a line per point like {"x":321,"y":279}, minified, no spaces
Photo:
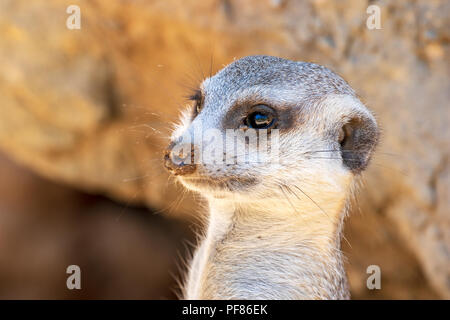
{"x":274,"y":228}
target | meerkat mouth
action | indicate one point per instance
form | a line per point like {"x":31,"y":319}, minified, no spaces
{"x":232,"y":184}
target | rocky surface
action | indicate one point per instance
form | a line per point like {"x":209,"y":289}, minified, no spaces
{"x":91,"y":107}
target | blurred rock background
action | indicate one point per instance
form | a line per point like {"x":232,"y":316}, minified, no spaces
{"x":85,"y":115}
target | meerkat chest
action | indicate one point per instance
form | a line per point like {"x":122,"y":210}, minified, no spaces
{"x":244,"y":261}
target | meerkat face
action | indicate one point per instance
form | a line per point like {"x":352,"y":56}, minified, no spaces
{"x":265,"y":125}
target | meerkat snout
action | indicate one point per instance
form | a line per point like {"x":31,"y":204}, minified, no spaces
{"x":180,"y":161}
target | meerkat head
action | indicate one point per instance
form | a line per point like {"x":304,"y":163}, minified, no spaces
{"x":264,"y":126}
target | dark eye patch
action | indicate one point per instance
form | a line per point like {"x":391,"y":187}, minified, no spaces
{"x":197,"y":97}
{"x":285,"y":115}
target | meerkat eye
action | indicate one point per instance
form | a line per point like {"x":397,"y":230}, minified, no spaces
{"x":197,"y":97}
{"x":257,"y":120}
{"x":261,"y":118}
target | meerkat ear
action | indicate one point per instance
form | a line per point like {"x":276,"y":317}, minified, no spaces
{"x":358,"y":138}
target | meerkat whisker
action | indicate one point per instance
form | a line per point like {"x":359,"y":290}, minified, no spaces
{"x":353,"y":151}
{"x":287,"y":198}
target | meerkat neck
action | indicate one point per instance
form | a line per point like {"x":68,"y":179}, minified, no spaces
{"x":269,"y":251}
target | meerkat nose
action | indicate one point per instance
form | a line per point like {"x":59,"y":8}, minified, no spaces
{"x":179,"y":159}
